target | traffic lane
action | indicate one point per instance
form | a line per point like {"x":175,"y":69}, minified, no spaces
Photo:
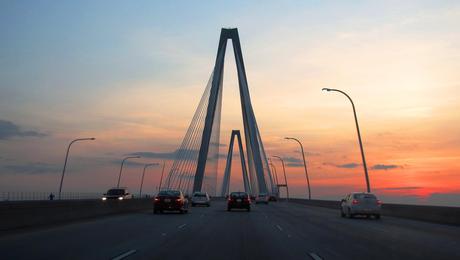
{"x":225,"y":235}
{"x":389,"y":238}
{"x":94,"y":239}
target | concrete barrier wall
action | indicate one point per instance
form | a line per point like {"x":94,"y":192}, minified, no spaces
{"x":16,"y":215}
{"x":436,"y":214}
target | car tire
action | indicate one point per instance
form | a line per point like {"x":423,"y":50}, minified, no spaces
{"x":341,"y":213}
{"x":229,"y":209}
{"x":349,"y":215}
{"x":193,"y":204}
{"x":155,"y":211}
{"x":377,"y":216}
{"x":249,"y":209}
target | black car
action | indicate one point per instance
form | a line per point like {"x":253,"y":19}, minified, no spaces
{"x":239,"y":200}
{"x":272,"y":198}
{"x":117,"y":194}
{"x":170,"y":200}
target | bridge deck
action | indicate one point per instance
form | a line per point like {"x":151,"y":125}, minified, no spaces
{"x":276,"y":231}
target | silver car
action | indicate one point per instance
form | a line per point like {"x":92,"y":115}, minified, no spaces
{"x":201,"y":198}
{"x":262,"y":198}
{"x":360,"y":203}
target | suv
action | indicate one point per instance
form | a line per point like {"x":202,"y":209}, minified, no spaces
{"x":117,"y":194}
{"x":360,"y":203}
{"x":262,"y":198}
{"x":173,"y":200}
{"x":201,"y":198}
{"x":239,"y":200}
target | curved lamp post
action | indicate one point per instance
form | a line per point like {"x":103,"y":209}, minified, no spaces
{"x":142,"y":180}
{"x":304,"y":164}
{"x":121,"y":167}
{"x":359,"y":135}
{"x":285,"y":178}
{"x":67,"y":156}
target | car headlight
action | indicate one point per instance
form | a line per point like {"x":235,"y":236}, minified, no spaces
{"x":104,"y":198}
{"x":120,"y":198}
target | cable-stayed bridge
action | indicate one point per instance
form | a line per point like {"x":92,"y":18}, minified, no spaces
{"x":298,"y":229}
{"x":195,"y":166}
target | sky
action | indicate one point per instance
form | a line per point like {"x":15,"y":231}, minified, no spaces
{"x":131,"y":74}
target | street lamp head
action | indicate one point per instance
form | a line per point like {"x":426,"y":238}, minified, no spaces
{"x":92,"y":138}
{"x":327,"y":89}
{"x":287,"y":138}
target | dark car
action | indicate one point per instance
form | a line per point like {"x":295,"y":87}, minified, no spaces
{"x":239,"y":200}
{"x":117,"y":194}
{"x":170,"y":200}
{"x":272,"y":198}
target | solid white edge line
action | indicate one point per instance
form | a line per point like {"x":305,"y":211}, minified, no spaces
{"x":315,"y":256}
{"x":130,"y":252}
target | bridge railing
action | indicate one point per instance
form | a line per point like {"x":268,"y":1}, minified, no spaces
{"x":39,"y":195}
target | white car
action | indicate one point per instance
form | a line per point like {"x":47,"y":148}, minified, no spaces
{"x":201,"y":198}
{"x":262,"y":198}
{"x":360,"y":203}
{"x":117,"y":194}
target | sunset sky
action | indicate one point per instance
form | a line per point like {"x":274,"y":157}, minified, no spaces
{"x":131,"y":74}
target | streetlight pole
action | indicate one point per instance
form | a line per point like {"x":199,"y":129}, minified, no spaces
{"x":67,"y":156}
{"x":142,"y":180}
{"x":274,"y":170}
{"x":276,"y":177}
{"x":359,"y":135}
{"x":285,"y":178}
{"x":304,"y":164}
{"x":161,"y":178}
{"x":121,"y":167}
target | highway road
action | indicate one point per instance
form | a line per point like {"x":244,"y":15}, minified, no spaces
{"x":277,"y":231}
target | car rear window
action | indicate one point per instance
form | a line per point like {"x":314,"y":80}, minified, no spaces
{"x":199,"y":195}
{"x":116,"y":192}
{"x":364,"y":196}
{"x":169,"y":193}
{"x":239,"y":195}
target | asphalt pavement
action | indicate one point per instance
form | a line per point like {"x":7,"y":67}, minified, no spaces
{"x":279,"y":230}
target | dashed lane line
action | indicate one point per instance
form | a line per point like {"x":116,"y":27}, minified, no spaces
{"x":280,"y":228}
{"x":124,"y":255}
{"x":182,"y":226}
{"x":315,"y":256}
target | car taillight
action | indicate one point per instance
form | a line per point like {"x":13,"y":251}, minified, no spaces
{"x":355,"y":202}
{"x":379,"y":202}
{"x":156,"y":199}
{"x":178,"y":200}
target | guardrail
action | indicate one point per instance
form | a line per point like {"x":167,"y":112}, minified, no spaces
{"x":436,"y":214}
{"x":22,"y":214}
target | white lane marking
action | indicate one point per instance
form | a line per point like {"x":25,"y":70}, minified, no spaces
{"x":124,"y":255}
{"x":202,"y":215}
{"x":163,"y":234}
{"x":289,"y":235}
{"x":315,"y":256}
{"x":181,"y":226}
{"x":278,"y":226}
